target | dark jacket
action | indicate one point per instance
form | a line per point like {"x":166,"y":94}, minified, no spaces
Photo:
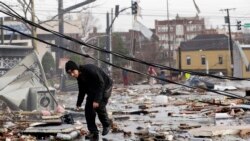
{"x":93,"y":82}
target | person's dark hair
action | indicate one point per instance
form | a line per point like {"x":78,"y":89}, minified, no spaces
{"x":70,"y":65}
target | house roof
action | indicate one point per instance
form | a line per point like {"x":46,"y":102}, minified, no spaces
{"x":245,"y":46}
{"x":15,"y":47}
{"x":206,"y":42}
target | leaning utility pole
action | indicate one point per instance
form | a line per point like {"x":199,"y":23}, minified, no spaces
{"x":227,"y":20}
{"x":107,"y":47}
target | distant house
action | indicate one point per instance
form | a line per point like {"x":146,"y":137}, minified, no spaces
{"x":72,"y":28}
{"x":207,"y":53}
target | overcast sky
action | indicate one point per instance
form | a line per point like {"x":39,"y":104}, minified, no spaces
{"x":155,"y":10}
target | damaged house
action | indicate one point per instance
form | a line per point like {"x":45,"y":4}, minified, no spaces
{"x":23,"y":84}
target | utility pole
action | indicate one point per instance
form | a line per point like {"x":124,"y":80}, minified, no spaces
{"x":179,"y":55}
{"x":227,"y":20}
{"x":109,"y":28}
{"x":107,"y":43}
{"x":110,"y":45}
{"x":33,"y":28}
{"x":169,"y":45}
{"x":59,"y":52}
{"x":134,"y":8}
{"x":98,"y":53}
{"x":2,"y":38}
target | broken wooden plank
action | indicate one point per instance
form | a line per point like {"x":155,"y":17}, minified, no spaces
{"x":222,"y":116}
{"x":52,"y":117}
{"x":187,"y":126}
{"x":218,"y":130}
{"x":120,"y":118}
{"x":64,"y":128}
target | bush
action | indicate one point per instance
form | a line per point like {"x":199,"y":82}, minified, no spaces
{"x":48,"y":63}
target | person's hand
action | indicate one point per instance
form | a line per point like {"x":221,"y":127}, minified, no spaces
{"x":95,"y":105}
{"x":77,"y":108}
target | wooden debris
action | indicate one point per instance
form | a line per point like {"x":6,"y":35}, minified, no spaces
{"x":120,"y":118}
{"x":138,"y":112}
{"x":145,"y":106}
{"x":244,"y":133}
{"x":127,"y":133}
{"x":200,"y":139}
{"x":64,"y":128}
{"x":219,"y":130}
{"x":186,"y":126}
{"x":222,"y":116}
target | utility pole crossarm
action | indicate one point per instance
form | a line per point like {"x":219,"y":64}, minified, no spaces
{"x":76,"y":6}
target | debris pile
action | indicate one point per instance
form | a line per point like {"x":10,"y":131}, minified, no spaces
{"x":141,"y":112}
{"x":175,"y":113}
{"x":25,"y":125}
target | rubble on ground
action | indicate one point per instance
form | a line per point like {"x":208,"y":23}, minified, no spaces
{"x":141,"y":112}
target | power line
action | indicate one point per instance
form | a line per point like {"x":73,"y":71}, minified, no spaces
{"x":116,"y":54}
{"x":113,"y":53}
{"x":133,"y":71}
{"x":150,"y":11}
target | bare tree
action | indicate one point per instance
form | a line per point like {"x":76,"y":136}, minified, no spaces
{"x":88,"y":23}
{"x":28,"y":12}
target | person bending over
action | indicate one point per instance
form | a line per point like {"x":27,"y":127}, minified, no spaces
{"x":97,"y":85}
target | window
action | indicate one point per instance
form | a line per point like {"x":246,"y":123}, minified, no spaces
{"x":179,"y":30}
{"x":188,"y":60}
{"x":248,"y":68}
{"x":203,"y":60}
{"x":220,"y":60}
{"x":1,"y":62}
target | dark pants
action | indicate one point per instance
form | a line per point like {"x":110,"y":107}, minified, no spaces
{"x":90,"y":114}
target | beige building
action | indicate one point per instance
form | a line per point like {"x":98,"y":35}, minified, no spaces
{"x":205,"y":53}
{"x":211,"y":54}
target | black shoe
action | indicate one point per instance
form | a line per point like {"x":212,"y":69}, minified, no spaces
{"x":92,"y":136}
{"x":106,"y":130}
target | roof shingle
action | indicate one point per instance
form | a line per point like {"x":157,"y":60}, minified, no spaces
{"x":206,"y":42}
